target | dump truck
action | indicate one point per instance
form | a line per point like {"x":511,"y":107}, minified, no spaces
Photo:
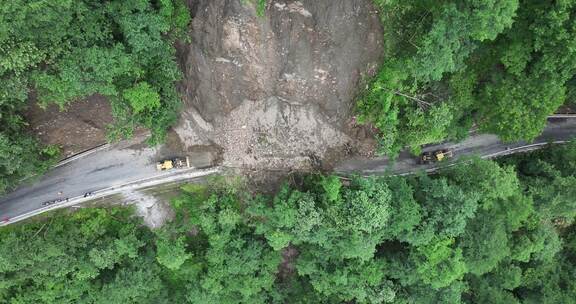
{"x":173,"y":163}
{"x":435,"y":156}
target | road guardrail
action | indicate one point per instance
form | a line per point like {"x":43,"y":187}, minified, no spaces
{"x":138,"y":184}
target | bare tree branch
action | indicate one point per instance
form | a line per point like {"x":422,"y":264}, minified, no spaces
{"x":420,"y":101}
{"x":35,"y":234}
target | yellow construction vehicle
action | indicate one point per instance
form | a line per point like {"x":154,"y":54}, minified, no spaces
{"x":174,"y":163}
{"x":435,"y":156}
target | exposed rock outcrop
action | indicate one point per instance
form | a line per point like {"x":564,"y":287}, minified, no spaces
{"x":275,"y":91}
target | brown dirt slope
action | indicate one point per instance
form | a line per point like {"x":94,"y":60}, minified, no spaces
{"x":276,"y":92}
{"x":81,"y":126}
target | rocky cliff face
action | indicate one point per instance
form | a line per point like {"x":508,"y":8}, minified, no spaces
{"x":275,"y":91}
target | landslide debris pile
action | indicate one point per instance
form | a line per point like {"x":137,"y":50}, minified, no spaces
{"x":275,"y":91}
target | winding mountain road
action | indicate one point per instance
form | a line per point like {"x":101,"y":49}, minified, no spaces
{"x":108,"y":170}
{"x":559,"y":129}
{"x":129,"y":165}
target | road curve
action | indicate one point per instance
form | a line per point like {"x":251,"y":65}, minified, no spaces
{"x":128,"y":165}
{"x":484,"y":145}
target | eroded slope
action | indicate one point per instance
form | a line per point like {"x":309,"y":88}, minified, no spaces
{"x":276,"y":91}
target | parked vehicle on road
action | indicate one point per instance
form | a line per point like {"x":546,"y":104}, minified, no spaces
{"x":174,"y":163}
{"x":435,"y":156}
{"x":52,"y":202}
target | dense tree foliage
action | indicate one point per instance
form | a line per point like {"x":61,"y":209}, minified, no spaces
{"x":482,"y":232}
{"x":21,"y":156}
{"x":68,"y":50}
{"x":92,"y":256}
{"x":504,"y":64}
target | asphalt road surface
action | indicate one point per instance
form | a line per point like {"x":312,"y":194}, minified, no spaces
{"x":130,"y":162}
{"x":119,"y":164}
{"x":484,"y":145}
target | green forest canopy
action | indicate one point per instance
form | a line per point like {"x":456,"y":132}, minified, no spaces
{"x":502,"y":64}
{"x":483,"y":232}
{"x":67,"y":50}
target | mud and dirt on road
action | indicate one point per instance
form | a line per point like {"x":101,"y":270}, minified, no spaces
{"x":81,"y":126}
{"x":277,"y":91}
{"x":273,"y":92}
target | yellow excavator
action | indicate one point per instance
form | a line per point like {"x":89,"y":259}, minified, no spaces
{"x":174,"y":163}
{"x":435,"y":156}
